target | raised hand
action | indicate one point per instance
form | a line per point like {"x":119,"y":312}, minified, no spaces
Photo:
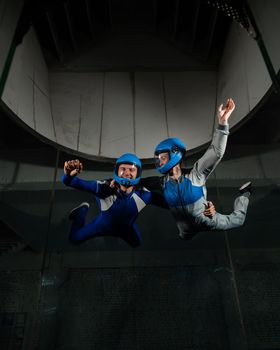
{"x":73,"y":167}
{"x":224,"y":112}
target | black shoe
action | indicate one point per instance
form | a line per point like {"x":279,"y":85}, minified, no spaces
{"x":247,"y":187}
{"x":74,"y":211}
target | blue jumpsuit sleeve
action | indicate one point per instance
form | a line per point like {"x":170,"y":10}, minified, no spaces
{"x":152,"y":182}
{"x":92,"y":186}
{"x":158,"y":200}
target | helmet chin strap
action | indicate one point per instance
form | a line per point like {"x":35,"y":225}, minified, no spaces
{"x":126,"y":189}
{"x":175,"y":173}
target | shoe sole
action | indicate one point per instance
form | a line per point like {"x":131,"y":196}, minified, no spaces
{"x":72,"y":212}
{"x":247,"y":184}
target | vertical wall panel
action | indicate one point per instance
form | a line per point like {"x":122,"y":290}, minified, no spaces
{"x":18,"y":92}
{"x":41,"y":72}
{"x":91,"y":109}
{"x":66,"y":107}
{"x":257,"y":74}
{"x":191,"y":98}
{"x":76,"y":106}
{"x":150,"y":120}
{"x":26,"y":87}
{"x":242,"y":74}
{"x":11,"y":93}
{"x":267,"y":16}
{"x":26,"y":108}
{"x":233,"y":81}
{"x":117,"y":125}
{"x":42,"y":109}
{"x":42,"y":106}
{"x":27,"y":74}
{"x":9,"y":14}
{"x":28,"y":55}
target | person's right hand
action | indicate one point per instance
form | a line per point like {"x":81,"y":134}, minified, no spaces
{"x":210,"y":210}
{"x":224,"y":112}
{"x":73,"y":167}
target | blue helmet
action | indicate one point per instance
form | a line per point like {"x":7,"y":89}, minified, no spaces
{"x":128,"y":158}
{"x":176,"y":150}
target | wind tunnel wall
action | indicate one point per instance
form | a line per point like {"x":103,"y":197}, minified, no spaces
{"x":103,"y":114}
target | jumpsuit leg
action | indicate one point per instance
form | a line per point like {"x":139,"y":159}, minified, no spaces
{"x":236,"y":218}
{"x":130,"y":234}
{"x":225,"y":222}
{"x":80,"y":232}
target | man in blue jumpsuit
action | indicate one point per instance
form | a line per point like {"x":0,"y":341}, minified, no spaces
{"x":119,"y":206}
{"x":185,"y":192}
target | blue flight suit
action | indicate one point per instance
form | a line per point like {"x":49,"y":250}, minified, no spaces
{"x":119,"y":211}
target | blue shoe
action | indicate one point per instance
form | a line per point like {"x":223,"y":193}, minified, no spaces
{"x":247,"y":187}
{"x":74,"y":211}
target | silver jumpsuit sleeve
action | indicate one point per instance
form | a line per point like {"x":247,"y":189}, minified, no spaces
{"x":211,"y":158}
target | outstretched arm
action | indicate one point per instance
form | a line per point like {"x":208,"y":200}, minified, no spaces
{"x":158,"y":200}
{"x":71,"y":169}
{"x":207,"y":163}
{"x":152,"y":183}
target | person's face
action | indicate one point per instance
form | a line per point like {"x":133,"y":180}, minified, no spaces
{"x":163,"y":158}
{"x":128,"y":171}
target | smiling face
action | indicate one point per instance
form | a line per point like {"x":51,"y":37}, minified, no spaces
{"x":128,"y":171}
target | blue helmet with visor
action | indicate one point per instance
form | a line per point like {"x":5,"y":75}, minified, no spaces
{"x":175,"y":150}
{"x":131,"y":159}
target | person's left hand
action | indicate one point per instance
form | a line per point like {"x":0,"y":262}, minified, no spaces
{"x":210,"y":211}
{"x":112,"y":183}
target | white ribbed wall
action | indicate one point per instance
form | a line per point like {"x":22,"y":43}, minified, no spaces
{"x":127,"y":124}
{"x":107,"y":114}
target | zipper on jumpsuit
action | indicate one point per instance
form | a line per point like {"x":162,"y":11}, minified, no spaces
{"x":181,"y":201}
